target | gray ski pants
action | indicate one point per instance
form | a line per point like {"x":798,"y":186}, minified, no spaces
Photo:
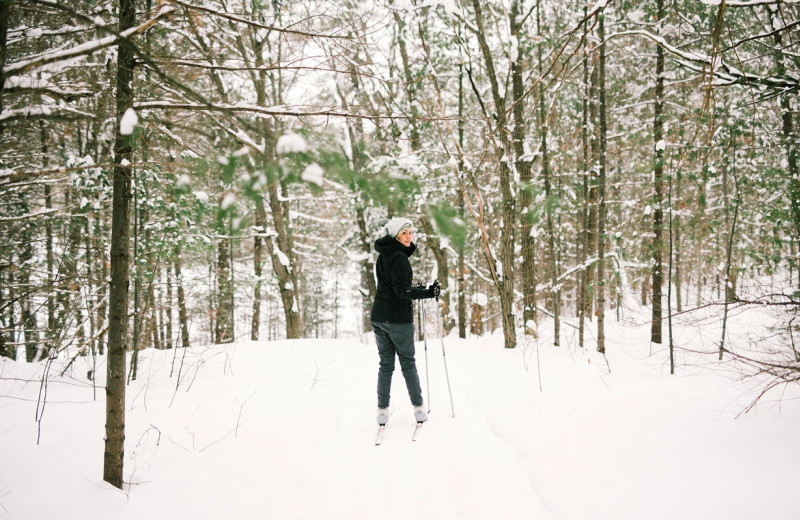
{"x":396,"y":338}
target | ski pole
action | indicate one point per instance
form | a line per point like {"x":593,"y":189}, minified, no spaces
{"x":444,"y":358}
{"x":425,"y":341}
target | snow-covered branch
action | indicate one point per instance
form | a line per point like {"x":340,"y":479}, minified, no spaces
{"x":63,"y":113}
{"x":49,"y":59}
{"x":278,"y":110}
{"x":728,"y":74}
{"x":46,"y":87}
{"x":749,"y":3}
{"x":252,"y":23}
{"x":29,"y":215}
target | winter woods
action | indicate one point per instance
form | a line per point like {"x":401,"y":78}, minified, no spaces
{"x":196,"y":172}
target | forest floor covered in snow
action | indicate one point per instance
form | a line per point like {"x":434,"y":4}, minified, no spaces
{"x":285,"y":430}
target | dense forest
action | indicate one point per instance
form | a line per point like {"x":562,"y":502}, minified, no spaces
{"x":176,"y":172}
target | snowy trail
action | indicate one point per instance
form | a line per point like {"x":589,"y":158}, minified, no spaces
{"x":285,"y":430}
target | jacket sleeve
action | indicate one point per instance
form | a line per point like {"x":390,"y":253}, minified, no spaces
{"x":402,"y":276}
{"x":419,"y":293}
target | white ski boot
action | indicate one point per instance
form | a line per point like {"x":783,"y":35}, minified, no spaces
{"x":383,"y":416}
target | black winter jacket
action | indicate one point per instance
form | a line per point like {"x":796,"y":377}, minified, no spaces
{"x":395,"y":292}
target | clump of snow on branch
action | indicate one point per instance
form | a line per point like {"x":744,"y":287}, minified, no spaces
{"x":228,"y":201}
{"x":201,"y":196}
{"x":128,"y":122}
{"x":282,"y":258}
{"x":291,"y":143}
{"x":313,"y":173}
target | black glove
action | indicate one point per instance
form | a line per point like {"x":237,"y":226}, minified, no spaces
{"x":420,"y":292}
{"x":435,"y":289}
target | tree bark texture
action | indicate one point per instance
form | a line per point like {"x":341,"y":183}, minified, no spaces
{"x":120,"y":263}
{"x":601,"y":194}
{"x":258,"y":255}
{"x":523,"y":165}
{"x":182,"y":314}
{"x":658,"y":196}
{"x":550,"y":200}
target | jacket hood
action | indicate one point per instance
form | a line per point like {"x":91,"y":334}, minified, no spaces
{"x":389,"y":244}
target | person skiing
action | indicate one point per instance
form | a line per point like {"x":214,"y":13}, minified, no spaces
{"x":392,"y":315}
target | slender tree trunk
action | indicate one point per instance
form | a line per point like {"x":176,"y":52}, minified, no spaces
{"x":258,"y":254}
{"x":223,"y":330}
{"x":440,"y":255}
{"x":6,"y":349}
{"x":102,"y":310}
{"x":120,"y":262}
{"x":182,"y":314}
{"x":5,"y":15}
{"x":601,"y":194}
{"x":368,"y":288}
{"x":730,"y":293}
{"x":550,"y":201}
{"x":584,"y":239}
{"x":676,"y":224}
{"x":168,"y":306}
{"x":138,"y":224}
{"x":282,"y":265}
{"x":504,"y":282}
{"x":462,"y":300}
{"x":91,"y":277}
{"x":790,"y":144}
{"x":523,"y":165}
{"x":658,"y":198}
{"x":591,"y":221}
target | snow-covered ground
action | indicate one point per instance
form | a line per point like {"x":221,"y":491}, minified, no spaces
{"x":285,"y":430}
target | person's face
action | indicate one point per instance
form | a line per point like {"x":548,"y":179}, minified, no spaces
{"x":405,"y":237}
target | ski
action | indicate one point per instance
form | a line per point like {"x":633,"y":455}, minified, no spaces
{"x":416,"y":431}
{"x":381,"y":432}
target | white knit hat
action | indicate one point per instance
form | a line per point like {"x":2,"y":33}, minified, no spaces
{"x":396,"y":225}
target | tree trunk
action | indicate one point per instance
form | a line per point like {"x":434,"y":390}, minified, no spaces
{"x":591,"y":217}
{"x":549,"y":202}
{"x":790,"y":144}
{"x":6,"y":348}
{"x":282,"y":252}
{"x":584,"y":238}
{"x":120,"y":262}
{"x":138,"y":223}
{"x":258,"y":254}
{"x":675,"y":223}
{"x":658,"y":198}
{"x":223,"y":328}
{"x":523,"y":165}
{"x":504,"y":282}
{"x":5,"y":15}
{"x":368,"y":288}
{"x":168,"y":306}
{"x":282,"y":264}
{"x":182,"y":315}
{"x":601,"y":194}
{"x":462,"y":301}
